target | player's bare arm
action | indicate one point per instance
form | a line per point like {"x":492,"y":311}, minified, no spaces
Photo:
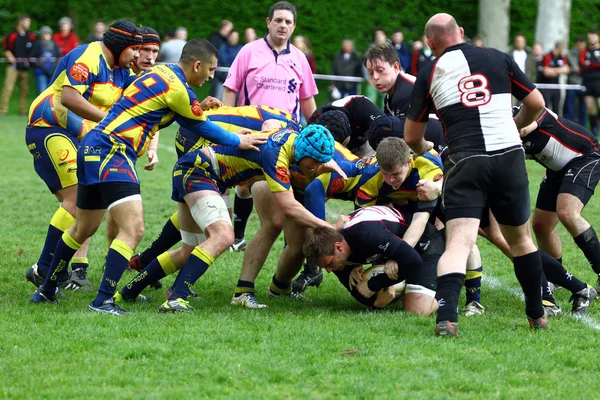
{"x":75,"y":102}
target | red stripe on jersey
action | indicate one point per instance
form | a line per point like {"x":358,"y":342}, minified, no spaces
{"x":520,"y":85}
{"x":547,"y":59}
{"x":578,"y":134}
{"x":555,"y":138}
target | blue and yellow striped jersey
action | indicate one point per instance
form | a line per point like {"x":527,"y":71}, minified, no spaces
{"x":428,"y":167}
{"x":153,"y":101}
{"x":233,"y":119}
{"x":85,"y":69}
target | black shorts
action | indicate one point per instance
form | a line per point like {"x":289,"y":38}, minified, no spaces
{"x":592,"y":88}
{"x":578,"y":178}
{"x":474,"y":181}
{"x":100,"y":196}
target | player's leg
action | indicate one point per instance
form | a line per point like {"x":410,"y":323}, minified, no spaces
{"x":592,"y":111}
{"x":544,"y":216}
{"x":210,"y":213}
{"x":168,"y":237}
{"x":473,"y":284}
{"x":271,"y":225}
{"x":242,"y":208}
{"x":290,"y":262}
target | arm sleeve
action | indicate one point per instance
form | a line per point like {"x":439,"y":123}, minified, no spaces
{"x":238,"y":70}
{"x":521,"y":85}
{"x":420,"y":97}
{"x":80,"y":74}
{"x":314,"y":199}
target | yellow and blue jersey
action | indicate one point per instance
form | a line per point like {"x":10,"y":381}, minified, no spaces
{"x":84,"y":69}
{"x":229,"y":166}
{"x":233,"y":119}
{"x":427,"y":166}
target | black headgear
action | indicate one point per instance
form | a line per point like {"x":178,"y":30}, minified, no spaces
{"x":149,"y":35}
{"x":382,"y":127}
{"x":336,"y":121}
{"x":121,"y":35}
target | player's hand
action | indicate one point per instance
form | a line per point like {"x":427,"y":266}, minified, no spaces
{"x":428,"y":146}
{"x":391,"y":269}
{"x":249,"y":142}
{"x":210,"y":102}
{"x":356,"y":276}
{"x":367,"y":159}
{"x":332,"y":166}
{"x":341,"y":221}
{"x":152,"y":160}
{"x":363,"y":289}
{"x":428,"y":190}
{"x":385,"y":297}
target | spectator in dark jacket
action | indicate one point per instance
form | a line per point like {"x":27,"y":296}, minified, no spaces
{"x":227,"y":53}
{"x":46,"y":52}
{"x":402,"y":49}
{"x":346,"y":63}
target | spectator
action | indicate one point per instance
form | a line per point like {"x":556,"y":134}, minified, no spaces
{"x":303,"y":44}
{"x":47,"y":54}
{"x":98,"y":31}
{"x":524,"y":57}
{"x":421,"y":57}
{"x":346,"y":63}
{"x":477,"y":41}
{"x":554,"y":65}
{"x":249,"y":35}
{"x":589,"y":64}
{"x":227,"y":53}
{"x":219,"y":38}
{"x":65,"y":38}
{"x":538,"y":55}
{"x":170,"y":35}
{"x":17,"y":48}
{"x":416,"y":45}
{"x":402,"y":49}
{"x":170,"y":51}
{"x":570,"y":111}
{"x":379,"y":37}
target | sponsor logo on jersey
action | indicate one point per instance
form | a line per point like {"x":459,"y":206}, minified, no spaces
{"x":79,"y":72}
{"x":337,"y":185}
{"x":363,"y":195}
{"x":282,"y":174}
{"x":196,"y":108}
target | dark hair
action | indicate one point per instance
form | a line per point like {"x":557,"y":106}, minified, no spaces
{"x":593,"y":32}
{"x":320,"y":242}
{"x":198,"y":50}
{"x":381,"y":51}
{"x":580,"y":39}
{"x":282,"y":5}
{"x":392,"y":151}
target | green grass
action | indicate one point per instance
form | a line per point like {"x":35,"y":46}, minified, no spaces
{"x":288,"y":350}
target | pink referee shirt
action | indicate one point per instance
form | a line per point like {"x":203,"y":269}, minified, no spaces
{"x":263,"y":77}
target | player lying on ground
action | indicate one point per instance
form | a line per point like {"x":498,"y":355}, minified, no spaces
{"x":199,"y":177}
{"x":375,"y":235}
{"x":107,"y":157}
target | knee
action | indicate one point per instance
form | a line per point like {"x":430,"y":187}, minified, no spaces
{"x":420,"y":304}
{"x":134,"y":232}
{"x":541,"y":227}
{"x":222,"y":237}
{"x":567,"y":216}
{"x":273,"y":226}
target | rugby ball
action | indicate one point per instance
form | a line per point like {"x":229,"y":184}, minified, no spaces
{"x":378,"y":269}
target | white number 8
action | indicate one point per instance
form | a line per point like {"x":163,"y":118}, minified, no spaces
{"x":474,"y":91}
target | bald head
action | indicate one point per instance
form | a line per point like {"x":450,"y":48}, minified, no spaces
{"x":442,"y":31}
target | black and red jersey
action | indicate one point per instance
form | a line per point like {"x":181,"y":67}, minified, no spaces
{"x":20,"y":46}
{"x":420,"y":59}
{"x":470,"y":89}
{"x":551,"y":60}
{"x":398,"y":103}
{"x":589,"y":63}
{"x":557,"y":141}
{"x":373,"y":233}
{"x":361,"y":113}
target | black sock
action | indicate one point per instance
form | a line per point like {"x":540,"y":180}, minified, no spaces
{"x":528,"y":269}
{"x":242,"y":208}
{"x":589,"y":244}
{"x":311,"y":268}
{"x":243,"y":287}
{"x":546,"y":292}
{"x":168,"y":237}
{"x":448,"y":292}
{"x":557,"y":274}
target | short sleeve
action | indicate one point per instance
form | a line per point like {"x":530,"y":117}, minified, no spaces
{"x":521,"y":85}
{"x":276,"y":167}
{"x":420,"y":98}
{"x":81,"y":73}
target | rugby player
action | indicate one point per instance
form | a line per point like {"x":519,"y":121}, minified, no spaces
{"x":107,"y":156}
{"x":86,"y":83}
{"x":378,"y":234}
{"x":199,"y":177}
{"x":470,"y":90}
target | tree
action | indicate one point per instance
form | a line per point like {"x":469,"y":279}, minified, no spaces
{"x":494,"y":23}
{"x":553,"y":20}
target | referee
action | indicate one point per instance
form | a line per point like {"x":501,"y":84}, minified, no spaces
{"x":470,"y":90}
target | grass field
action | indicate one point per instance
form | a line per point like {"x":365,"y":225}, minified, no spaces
{"x":288,"y":350}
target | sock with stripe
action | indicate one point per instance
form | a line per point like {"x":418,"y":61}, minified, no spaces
{"x":168,"y":237}
{"x":79,"y":263}
{"x":280,"y":287}
{"x":160,"y":267}
{"x":243,"y":287}
{"x":117,"y":261}
{"x":60,"y":222}
{"x":473,"y":285}
{"x":65,"y":249}
{"x":195,"y":267}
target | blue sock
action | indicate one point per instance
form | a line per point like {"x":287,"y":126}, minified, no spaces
{"x":65,"y":249}
{"x":117,"y":261}
{"x":60,"y":222}
{"x":473,"y":285}
{"x":159,"y":268}
{"x":168,"y":237}
{"x":195,"y":267}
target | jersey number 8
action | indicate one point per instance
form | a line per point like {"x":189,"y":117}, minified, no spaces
{"x":474,"y":90}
